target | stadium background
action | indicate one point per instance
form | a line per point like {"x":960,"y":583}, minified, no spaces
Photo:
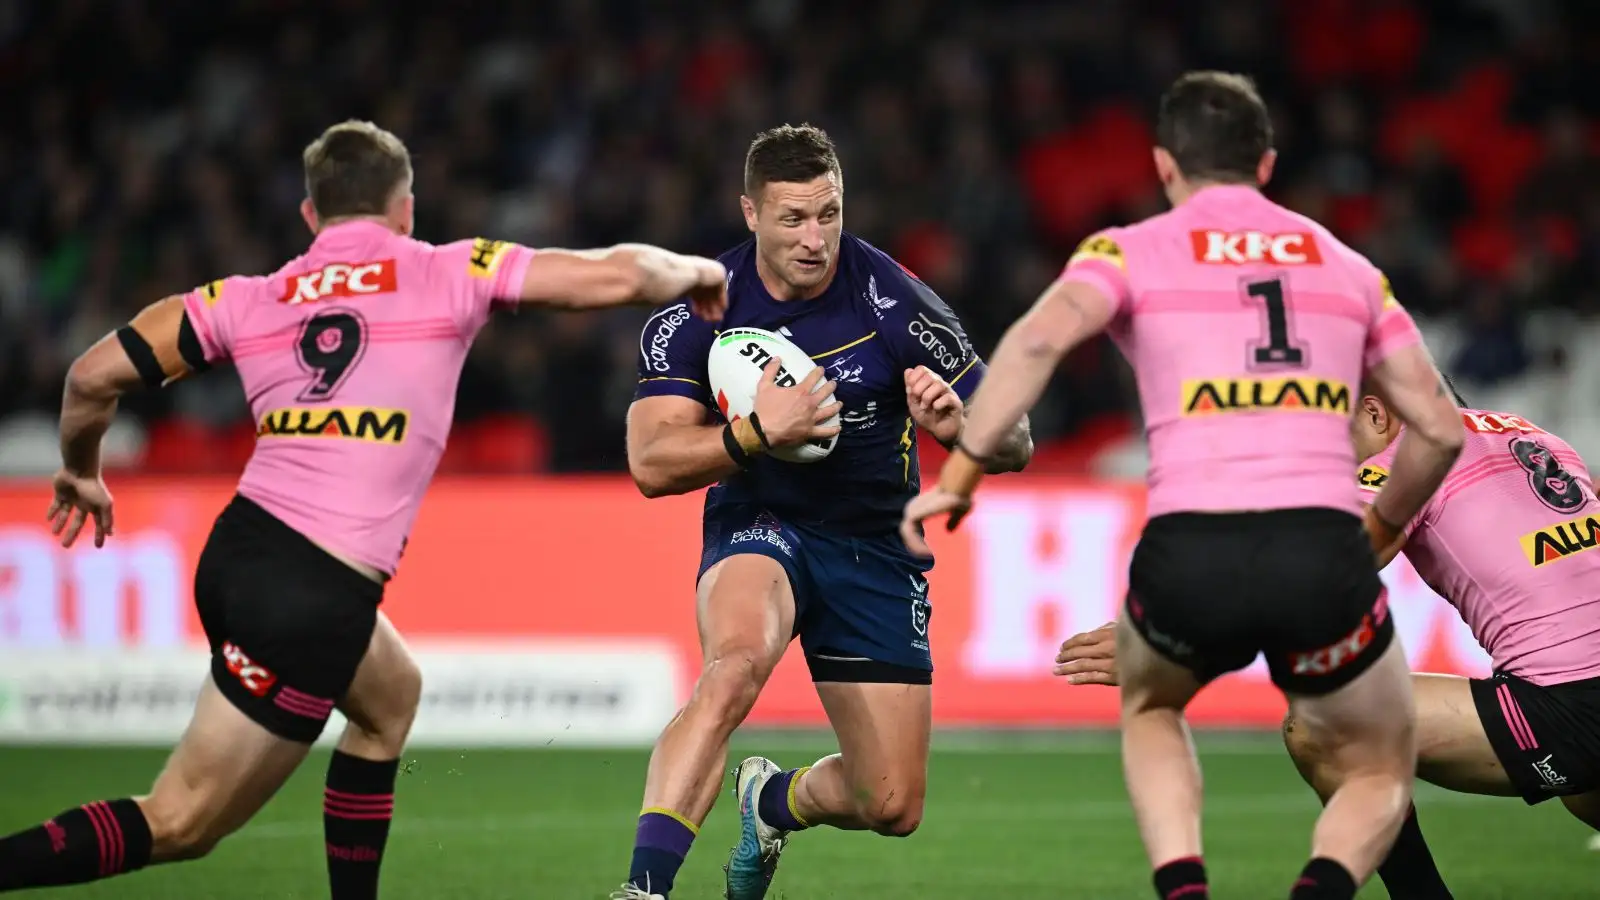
{"x":152,"y":146}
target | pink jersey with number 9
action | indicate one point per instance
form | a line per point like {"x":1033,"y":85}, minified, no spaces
{"x":350,"y":357}
{"x":1249,"y":329}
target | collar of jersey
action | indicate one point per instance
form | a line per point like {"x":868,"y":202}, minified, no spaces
{"x":358,"y":230}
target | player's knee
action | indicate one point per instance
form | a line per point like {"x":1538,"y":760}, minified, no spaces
{"x":180,"y":829}
{"x":896,"y":813}
{"x":898,"y":820}
{"x":730,"y":683}
{"x":381,"y":723}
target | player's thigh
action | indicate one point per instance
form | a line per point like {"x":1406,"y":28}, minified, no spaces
{"x":1367,"y":722}
{"x":884,"y":732}
{"x":288,"y":624}
{"x":1150,"y":679}
{"x":383,"y":697}
{"x":1453,"y":750}
{"x":1585,"y":807}
{"x":224,"y":769}
{"x":745,"y":612}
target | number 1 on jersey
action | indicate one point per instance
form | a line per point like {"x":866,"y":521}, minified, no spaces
{"x":1278,"y":350}
{"x":331,"y":343}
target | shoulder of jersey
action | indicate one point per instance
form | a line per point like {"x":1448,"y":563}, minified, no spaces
{"x":1103,"y":246}
{"x":878,"y":261}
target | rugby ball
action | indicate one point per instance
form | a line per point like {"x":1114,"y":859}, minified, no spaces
{"x":737,"y":357}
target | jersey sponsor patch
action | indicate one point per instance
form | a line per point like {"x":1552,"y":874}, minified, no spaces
{"x":380,"y":426}
{"x":486,"y":257}
{"x":1101,"y":247}
{"x":1561,"y":541}
{"x":656,"y":337}
{"x":1204,"y":397}
{"x":341,"y":281}
{"x":942,"y":343}
{"x":1237,"y":248}
{"x":1389,"y":301}
{"x":1499,"y":423}
{"x":1372,"y":478}
{"x":211,"y":293}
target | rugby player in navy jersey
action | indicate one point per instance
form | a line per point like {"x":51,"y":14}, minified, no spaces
{"x":807,"y":550}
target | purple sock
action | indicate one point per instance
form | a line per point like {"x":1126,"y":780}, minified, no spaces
{"x":775,"y":803}
{"x":659,"y":846}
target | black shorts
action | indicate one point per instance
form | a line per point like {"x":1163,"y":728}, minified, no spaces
{"x":288,"y":624}
{"x":1211,"y":590}
{"x":1547,"y":738}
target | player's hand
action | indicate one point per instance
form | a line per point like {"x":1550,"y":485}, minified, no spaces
{"x":1089,"y":657}
{"x":790,"y":416}
{"x":708,"y":298}
{"x":77,"y":499}
{"x":925,"y":506}
{"x":934,"y":404}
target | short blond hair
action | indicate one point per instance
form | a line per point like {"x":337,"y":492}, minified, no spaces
{"x":355,"y":168}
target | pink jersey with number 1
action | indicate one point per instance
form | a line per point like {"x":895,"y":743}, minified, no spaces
{"x":1509,"y":540}
{"x":1249,"y":328}
{"x":350,"y":357}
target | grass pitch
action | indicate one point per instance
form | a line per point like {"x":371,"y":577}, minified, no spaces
{"x":1007,"y":816}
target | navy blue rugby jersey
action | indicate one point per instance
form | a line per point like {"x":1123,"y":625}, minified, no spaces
{"x":874,"y":321}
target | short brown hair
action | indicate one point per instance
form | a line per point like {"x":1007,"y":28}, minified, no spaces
{"x":791,"y":153}
{"x":1215,"y":125}
{"x":354,"y":169}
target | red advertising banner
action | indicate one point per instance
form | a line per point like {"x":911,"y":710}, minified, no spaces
{"x":584,"y":559}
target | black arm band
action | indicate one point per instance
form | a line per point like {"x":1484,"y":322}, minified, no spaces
{"x":755,"y":423}
{"x":977,"y":458}
{"x":189,"y":346}
{"x":144,"y":358}
{"x":731,"y":444}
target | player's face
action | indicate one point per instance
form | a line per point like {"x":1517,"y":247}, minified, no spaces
{"x":1372,"y":428}
{"x":797,"y":227}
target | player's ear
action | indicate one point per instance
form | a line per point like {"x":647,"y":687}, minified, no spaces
{"x":1375,"y":413}
{"x":405,"y":215}
{"x":1166,"y":166}
{"x":309,"y":214}
{"x":1264,"y":168}
{"x":748,"y":207}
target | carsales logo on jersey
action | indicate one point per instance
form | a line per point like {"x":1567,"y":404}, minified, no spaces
{"x":926,"y":333}
{"x":343,"y":280}
{"x":666,"y":322}
{"x":1236,"y":248}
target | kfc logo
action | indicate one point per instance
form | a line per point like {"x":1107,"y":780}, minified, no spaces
{"x":1499,"y":423}
{"x":255,"y":678}
{"x":1240,"y":247}
{"x":340,"y":280}
{"x":1335,"y":656}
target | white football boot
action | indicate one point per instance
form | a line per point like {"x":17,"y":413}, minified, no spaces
{"x":633,"y":892}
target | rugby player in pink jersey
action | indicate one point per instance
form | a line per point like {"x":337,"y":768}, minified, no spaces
{"x":1505,"y":540}
{"x":1249,"y":328}
{"x":350,"y":356}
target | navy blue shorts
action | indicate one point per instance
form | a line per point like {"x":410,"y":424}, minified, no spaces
{"x":861,"y":603}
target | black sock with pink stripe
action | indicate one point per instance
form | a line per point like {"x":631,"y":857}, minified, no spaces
{"x":357,"y":808}
{"x":84,"y":844}
{"x":1182,"y":879}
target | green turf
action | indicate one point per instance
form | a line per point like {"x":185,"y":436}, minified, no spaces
{"x":1006,"y":817}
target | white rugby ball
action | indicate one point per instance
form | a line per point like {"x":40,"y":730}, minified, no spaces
{"x":737,"y":357}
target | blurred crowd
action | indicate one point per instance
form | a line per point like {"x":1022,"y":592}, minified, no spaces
{"x":155,"y":144}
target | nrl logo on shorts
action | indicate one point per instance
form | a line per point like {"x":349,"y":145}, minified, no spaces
{"x":920,"y":607}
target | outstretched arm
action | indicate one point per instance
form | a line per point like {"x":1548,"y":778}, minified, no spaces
{"x":157,"y":348}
